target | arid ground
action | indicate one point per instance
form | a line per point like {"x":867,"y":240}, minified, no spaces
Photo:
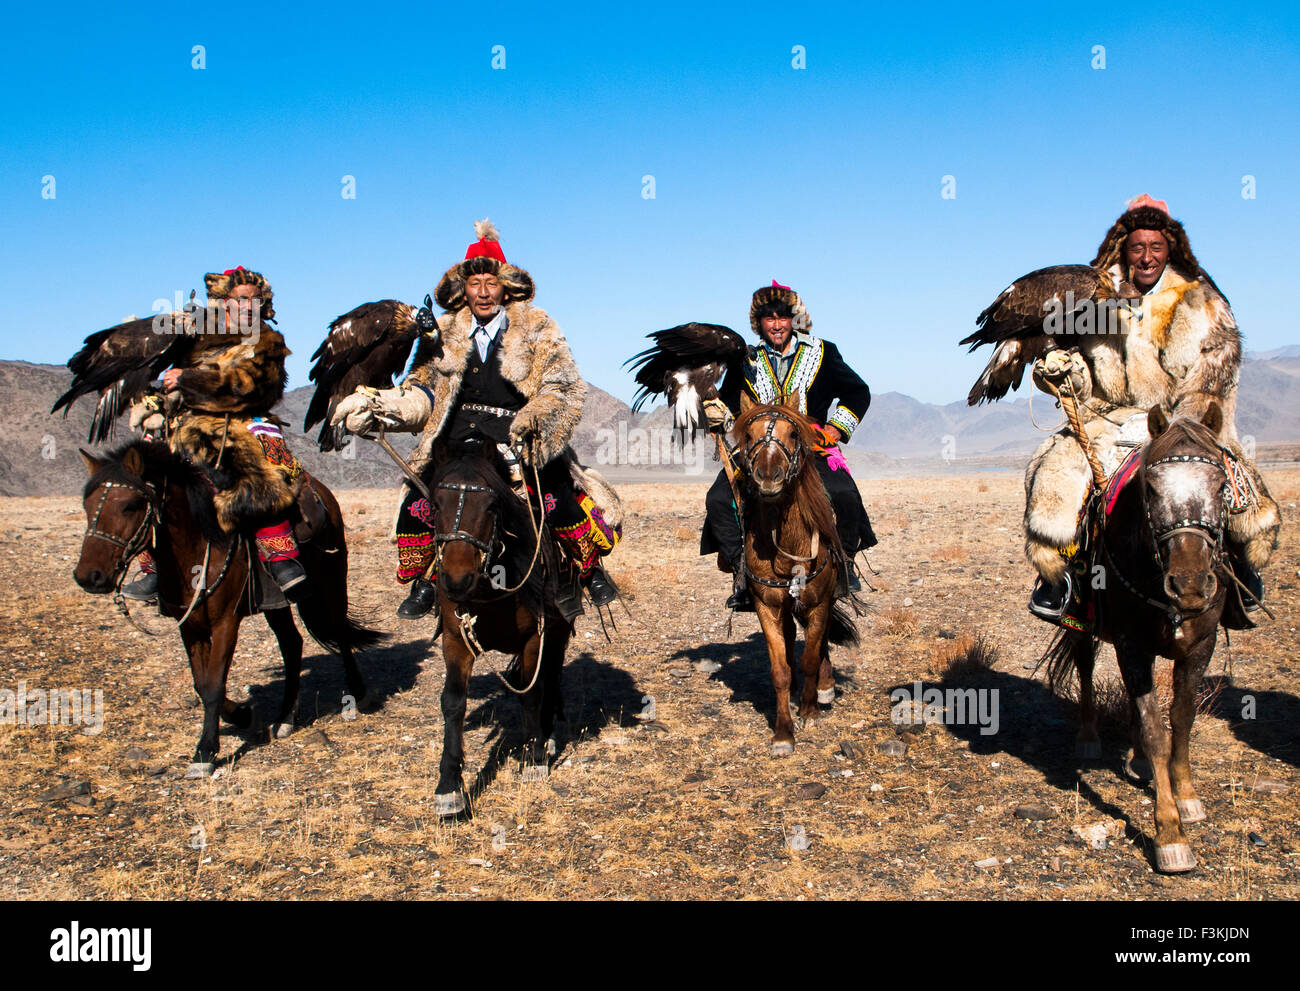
{"x":687,"y":805}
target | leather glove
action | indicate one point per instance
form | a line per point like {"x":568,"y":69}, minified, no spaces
{"x":716,"y":412}
{"x":400,"y":409}
{"x":524,"y":428}
{"x":1052,"y":371}
{"x":147,"y":417}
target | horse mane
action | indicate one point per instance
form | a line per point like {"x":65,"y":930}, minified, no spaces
{"x":1181,"y":429}
{"x":489,"y":469}
{"x":808,"y":493}
{"x":164,"y":465}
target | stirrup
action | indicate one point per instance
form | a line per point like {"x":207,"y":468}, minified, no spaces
{"x":143,"y":589}
{"x":1043,"y":601}
{"x":289,"y":574}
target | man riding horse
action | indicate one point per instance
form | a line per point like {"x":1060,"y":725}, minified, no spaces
{"x":1170,"y":342}
{"x":497,"y":372}
{"x":225,"y":373}
{"x":790,"y":362}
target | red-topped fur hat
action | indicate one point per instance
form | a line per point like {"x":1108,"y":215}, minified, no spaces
{"x":1147,"y":214}
{"x":778,"y":300}
{"x":221,"y":284}
{"x":483,"y":257}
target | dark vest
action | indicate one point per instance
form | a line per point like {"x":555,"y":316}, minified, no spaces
{"x":484,"y":385}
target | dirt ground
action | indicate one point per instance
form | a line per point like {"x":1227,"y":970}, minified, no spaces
{"x":687,"y":805}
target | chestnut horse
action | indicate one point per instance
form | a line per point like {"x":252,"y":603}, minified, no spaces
{"x":1161,"y":552}
{"x":142,"y":495}
{"x":792,"y":557}
{"x":494,"y":594}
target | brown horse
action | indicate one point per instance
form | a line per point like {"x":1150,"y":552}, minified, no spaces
{"x":1161,"y":553}
{"x":494,"y":595}
{"x":142,"y":495}
{"x":792,"y":557}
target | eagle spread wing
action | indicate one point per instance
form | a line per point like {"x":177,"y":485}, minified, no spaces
{"x":1018,"y":323}
{"x":685,"y":365}
{"x":119,"y":363}
{"x":366,"y":346}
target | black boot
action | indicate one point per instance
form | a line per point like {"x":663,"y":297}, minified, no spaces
{"x":599,"y":586}
{"x":143,"y":589}
{"x":741,"y":600}
{"x":290,"y":576}
{"x":422,"y":600}
{"x":1242,"y":605}
{"x":1049,"y":600}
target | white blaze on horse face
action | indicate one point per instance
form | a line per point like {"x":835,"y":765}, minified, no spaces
{"x":1185,"y":489}
{"x":686,"y":404}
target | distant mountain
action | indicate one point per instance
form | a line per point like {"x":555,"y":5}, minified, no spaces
{"x":38,"y":452}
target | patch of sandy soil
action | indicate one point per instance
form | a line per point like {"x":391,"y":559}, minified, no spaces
{"x":690,"y":805}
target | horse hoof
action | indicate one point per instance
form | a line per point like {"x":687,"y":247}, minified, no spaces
{"x":1190,"y":810}
{"x":282,"y":731}
{"x":782,"y":749}
{"x":449,"y":806}
{"x":825,"y":696}
{"x":1139,"y":769}
{"x":1088,"y":750}
{"x":197,"y":771}
{"x":536,"y":772}
{"x":1175,"y":858}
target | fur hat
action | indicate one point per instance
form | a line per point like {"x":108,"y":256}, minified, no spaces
{"x":1146,"y":214}
{"x":483,"y":257}
{"x":221,"y":284}
{"x":778,"y":300}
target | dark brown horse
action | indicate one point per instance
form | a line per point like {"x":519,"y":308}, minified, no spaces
{"x":1166,"y":574}
{"x":494,"y":595}
{"x":142,"y":495}
{"x":792,"y":558}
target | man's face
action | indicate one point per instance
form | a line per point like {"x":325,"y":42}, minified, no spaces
{"x":242,"y":309}
{"x":1147,"y":254}
{"x":775,"y":331}
{"x":485,"y":293}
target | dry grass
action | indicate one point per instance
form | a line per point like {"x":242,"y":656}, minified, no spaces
{"x":969,"y":655}
{"x":897,"y":624}
{"x":951,"y":554}
{"x":1112,"y":701}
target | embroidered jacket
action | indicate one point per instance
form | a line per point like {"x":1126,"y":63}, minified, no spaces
{"x":817,"y":374}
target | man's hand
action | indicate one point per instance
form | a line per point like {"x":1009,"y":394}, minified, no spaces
{"x":170,"y":379}
{"x":525,"y":427}
{"x":830,"y":435}
{"x":716,"y":412}
{"x":1060,"y":366}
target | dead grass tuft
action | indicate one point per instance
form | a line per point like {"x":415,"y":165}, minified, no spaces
{"x":897,"y":624}
{"x":970,"y":654}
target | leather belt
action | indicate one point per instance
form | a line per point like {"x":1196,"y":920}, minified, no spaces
{"x":494,"y":410}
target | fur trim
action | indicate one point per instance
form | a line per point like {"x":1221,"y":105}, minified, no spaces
{"x":779,"y":294}
{"x":534,"y":357}
{"x":219,"y":285}
{"x":450,"y":294}
{"x":602,"y":493}
{"x":1149,"y":218}
{"x":245,"y":378}
{"x":258,"y":493}
{"x":1056,"y":482}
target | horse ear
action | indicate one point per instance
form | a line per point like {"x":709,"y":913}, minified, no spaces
{"x":93,"y":464}
{"x":745,"y":401}
{"x":133,"y":462}
{"x":1156,"y":422}
{"x":790,"y":400}
{"x":1213,"y":417}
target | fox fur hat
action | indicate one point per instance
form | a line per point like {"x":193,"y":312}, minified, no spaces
{"x":779,"y":301}
{"x":483,"y":257}
{"x":1147,"y":214}
{"x":221,"y":284}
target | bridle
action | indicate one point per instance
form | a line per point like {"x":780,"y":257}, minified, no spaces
{"x":769,"y":437}
{"x":1209,"y":530}
{"x":440,"y":539}
{"x":143,"y":534}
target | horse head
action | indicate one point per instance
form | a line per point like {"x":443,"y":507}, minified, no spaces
{"x":1184,"y":495}
{"x":121,"y":507}
{"x":774,"y":442}
{"x":473,"y":507}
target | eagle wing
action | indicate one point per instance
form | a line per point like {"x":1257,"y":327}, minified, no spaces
{"x":685,"y":364}
{"x":1017,"y":322}
{"x":119,"y":363}
{"x":365,"y":346}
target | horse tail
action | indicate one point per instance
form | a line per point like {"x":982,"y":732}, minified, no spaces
{"x":1063,"y":655}
{"x":841,"y":630}
{"x":337,"y":633}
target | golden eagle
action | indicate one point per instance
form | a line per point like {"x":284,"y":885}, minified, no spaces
{"x":685,"y":365}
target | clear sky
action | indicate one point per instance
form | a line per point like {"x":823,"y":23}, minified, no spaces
{"x":827,"y":178}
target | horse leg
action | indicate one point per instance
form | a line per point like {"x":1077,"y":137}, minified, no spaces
{"x":290,"y":640}
{"x":826,"y":676}
{"x":772,"y":622}
{"x":209,"y":665}
{"x":535,"y":768}
{"x":449,"y":798}
{"x":814,"y":651}
{"x":1136,"y":765}
{"x":557,"y":642}
{"x":1087,"y":743}
{"x":1172,"y":852}
{"x":1187,"y":679}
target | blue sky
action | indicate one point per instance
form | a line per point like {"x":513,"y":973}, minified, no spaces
{"x":826,"y":178}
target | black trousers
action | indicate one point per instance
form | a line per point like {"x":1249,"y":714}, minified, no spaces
{"x":722,"y":525}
